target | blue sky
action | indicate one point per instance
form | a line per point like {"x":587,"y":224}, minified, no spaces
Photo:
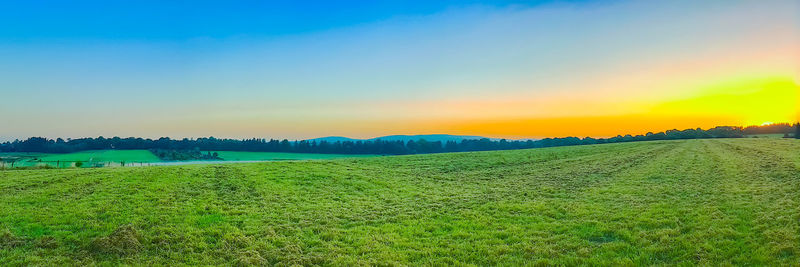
{"x":183,"y":20}
{"x":362,"y":69}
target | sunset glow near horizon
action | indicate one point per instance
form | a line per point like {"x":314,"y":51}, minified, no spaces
{"x":497,"y":69}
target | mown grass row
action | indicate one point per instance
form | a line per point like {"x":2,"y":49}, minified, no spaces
{"x":710,"y":202}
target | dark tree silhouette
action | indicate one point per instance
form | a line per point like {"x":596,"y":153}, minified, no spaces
{"x":797,"y":130}
{"x":191,"y":148}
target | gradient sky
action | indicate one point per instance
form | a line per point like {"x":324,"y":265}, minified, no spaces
{"x":294,"y":69}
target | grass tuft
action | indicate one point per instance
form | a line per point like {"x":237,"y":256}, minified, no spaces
{"x":9,"y":239}
{"x":125,"y":240}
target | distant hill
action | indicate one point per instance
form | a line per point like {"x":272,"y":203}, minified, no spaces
{"x":428,"y":137}
{"x":405,"y":138}
{"x":332,"y":139}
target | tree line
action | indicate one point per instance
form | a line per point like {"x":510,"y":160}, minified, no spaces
{"x":775,"y":128}
{"x":59,"y":145}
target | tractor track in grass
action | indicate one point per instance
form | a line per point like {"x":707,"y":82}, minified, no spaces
{"x":764,"y":190}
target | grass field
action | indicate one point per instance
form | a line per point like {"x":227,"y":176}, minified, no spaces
{"x":105,"y":155}
{"x":692,"y":202}
{"x":252,"y":156}
{"x":86,"y":156}
{"x":114,"y":157}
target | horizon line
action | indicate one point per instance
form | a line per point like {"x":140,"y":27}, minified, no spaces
{"x":4,"y":140}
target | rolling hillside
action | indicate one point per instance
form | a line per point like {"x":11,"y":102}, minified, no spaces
{"x":693,"y":202}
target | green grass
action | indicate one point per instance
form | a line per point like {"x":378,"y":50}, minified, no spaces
{"x":252,"y":156}
{"x":690,"y":202}
{"x":114,"y":157}
{"x":105,"y":155}
{"x":100,"y":156}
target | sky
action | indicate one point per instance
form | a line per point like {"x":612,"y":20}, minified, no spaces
{"x":305,"y":69}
